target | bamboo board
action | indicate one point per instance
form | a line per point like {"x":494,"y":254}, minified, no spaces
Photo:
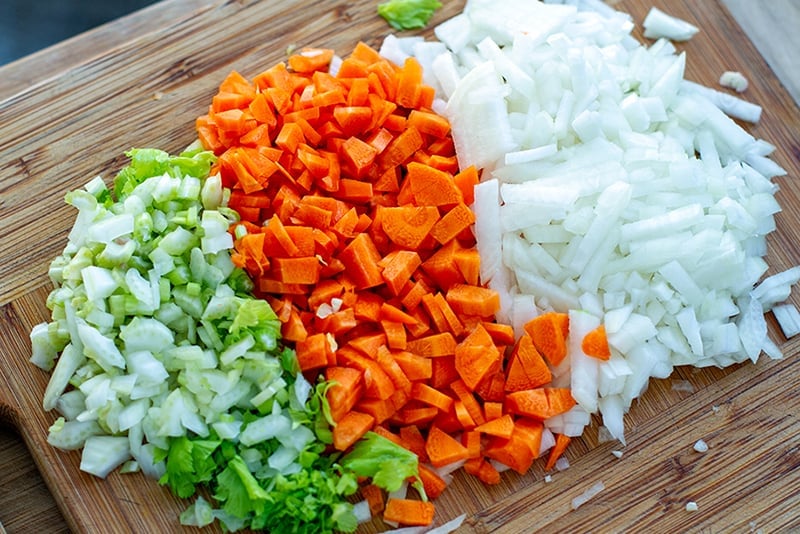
{"x":143,"y":85}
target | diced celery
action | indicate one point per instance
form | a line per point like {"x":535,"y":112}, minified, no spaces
{"x":103,"y":454}
{"x":145,"y":333}
{"x":71,"y":358}
{"x":71,"y":435}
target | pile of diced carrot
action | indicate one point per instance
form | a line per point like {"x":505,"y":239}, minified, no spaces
{"x":356,"y":227}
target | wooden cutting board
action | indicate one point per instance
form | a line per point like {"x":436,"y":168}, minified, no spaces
{"x":144,"y":84}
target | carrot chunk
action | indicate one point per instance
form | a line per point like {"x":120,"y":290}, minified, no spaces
{"x":409,"y":512}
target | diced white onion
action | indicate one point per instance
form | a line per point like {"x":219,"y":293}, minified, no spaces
{"x":592,"y":491}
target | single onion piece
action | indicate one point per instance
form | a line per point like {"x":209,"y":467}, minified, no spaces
{"x":581,"y":499}
{"x":658,"y":24}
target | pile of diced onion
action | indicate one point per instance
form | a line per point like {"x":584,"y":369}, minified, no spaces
{"x":613,"y":189}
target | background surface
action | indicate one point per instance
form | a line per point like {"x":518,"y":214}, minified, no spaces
{"x":27,"y":26}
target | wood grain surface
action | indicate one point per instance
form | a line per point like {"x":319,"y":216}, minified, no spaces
{"x":69,"y":114}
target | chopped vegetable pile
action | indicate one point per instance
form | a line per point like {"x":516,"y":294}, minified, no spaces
{"x":373,"y":271}
{"x":367,"y":258}
{"x":610,"y":185}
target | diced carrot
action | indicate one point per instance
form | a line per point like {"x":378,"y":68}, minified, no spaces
{"x":468,"y":399}
{"x":501,"y":334}
{"x":433,"y":346}
{"x":429,"y":123}
{"x":378,"y":383}
{"x":414,"y":441}
{"x":443,"y":449}
{"x":314,"y":352}
{"x":395,"y":334}
{"x":562,"y":440}
{"x":415,"y":367}
{"x":290,"y":137}
{"x":492,"y":410}
{"x":454,"y":222}
{"x":339,"y":322}
{"x":468,"y":265}
{"x":409,"y":83}
{"x":466,"y":180}
{"x":426,"y":394}
{"x":476,"y":357}
{"x":358,"y":156}
{"x":442,"y":265}
{"x":396,"y":374}
{"x":408,"y":226}
{"x":368,"y":307}
{"x":361,"y":258}
{"x":398,"y":266}
{"x":417,"y":416}
{"x":354,"y":120}
{"x":351,"y":428}
{"x":345,"y":228}
{"x":595,"y":344}
{"x":520,"y":450}
{"x":443,"y":372}
{"x":527,"y":369}
{"x":373,"y":494}
{"x":432,"y":483}
{"x":409,"y":512}
{"x":432,"y":187}
{"x":346,"y":388}
{"x":548,"y":334}
{"x":380,"y":409}
{"x":540,"y":403}
{"x":401,"y":148}
{"x":393,"y":313}
{"x":492,"y":388}
{"x":463,"y":416}
{"x":473,"y":300}
{"x":501,"y":427}
{"x":471,"y":439}
{"x":368,"y":344}
{"x":382,"y":431}
{"x":310,"y":59}
{"x":296,"y":270}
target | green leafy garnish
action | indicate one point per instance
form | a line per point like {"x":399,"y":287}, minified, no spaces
{"x":408,"y":14}
{"x":382,"y":460}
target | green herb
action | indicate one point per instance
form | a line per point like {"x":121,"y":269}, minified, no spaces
{"x":408,"y":14}
{"x":382,"y":460}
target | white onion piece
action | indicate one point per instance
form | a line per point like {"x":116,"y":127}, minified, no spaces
{"x":584,"y":368}
{"x":562,"y":464}
{"x":362,"y":511}
{"x":788,"y":319}
{"x":450,"y":526}
{"x":593,"y":490}
{"x":658,"y":24}
{"x":730,"y":104}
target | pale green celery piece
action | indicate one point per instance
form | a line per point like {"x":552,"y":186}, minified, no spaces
{"x":198,"y":514}
{"x":43,"y":350}
{"x":115,"y":254}
{"x":146,"y":333}
{"x":71,"y":403}
{"x":131,"y":466}
{"x":212,"y":193}
{"x":71,"y":435}
{"x":70,"y":360}
{"x":103,"y":454}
